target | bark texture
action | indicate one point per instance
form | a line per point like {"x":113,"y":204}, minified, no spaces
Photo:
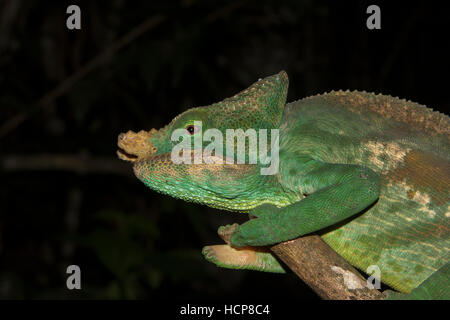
{"x":326,"y":272}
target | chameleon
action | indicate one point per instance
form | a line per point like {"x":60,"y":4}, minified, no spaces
{"x":367,"y":172}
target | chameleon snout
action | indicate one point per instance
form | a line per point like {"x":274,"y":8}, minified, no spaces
{"x":135,"y":146}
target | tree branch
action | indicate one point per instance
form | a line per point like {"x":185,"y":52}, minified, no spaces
{"x":325,"y":271}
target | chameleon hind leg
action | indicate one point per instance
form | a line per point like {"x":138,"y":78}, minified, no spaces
{"x":435,"y":287}
{"x":249,"y":258}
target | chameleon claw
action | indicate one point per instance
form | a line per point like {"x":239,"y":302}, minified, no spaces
{"x":225,"y":232}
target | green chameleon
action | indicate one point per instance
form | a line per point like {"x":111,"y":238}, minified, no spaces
{"x":369,"y":173}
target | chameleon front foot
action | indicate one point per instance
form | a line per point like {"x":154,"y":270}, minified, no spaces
{"x":226,"y":256}
{"x":260,"y":230}
{"x":249,"y":258}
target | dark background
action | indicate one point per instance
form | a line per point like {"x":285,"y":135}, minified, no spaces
{"x":65,"y":95}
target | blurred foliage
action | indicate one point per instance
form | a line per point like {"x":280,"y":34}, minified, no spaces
{"x":124,"y":249}
{"x":129,"y":241}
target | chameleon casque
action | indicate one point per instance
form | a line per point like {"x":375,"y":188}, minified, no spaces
{"x":369,"y":173}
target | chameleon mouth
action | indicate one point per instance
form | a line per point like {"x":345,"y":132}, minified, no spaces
{"x":135,"y":146}
{"x":123,"y":155}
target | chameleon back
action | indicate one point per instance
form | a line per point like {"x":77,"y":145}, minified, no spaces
{"x":406,"y":232}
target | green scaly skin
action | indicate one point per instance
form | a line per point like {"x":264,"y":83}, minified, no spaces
{"x":369,"y":173}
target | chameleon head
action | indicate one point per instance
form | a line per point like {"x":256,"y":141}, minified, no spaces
{"x":230,"y":186}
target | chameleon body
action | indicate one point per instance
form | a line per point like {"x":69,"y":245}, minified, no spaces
{"x":369,"y":173}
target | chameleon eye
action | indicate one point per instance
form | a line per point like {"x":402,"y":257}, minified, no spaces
{"x":191,"y":129}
